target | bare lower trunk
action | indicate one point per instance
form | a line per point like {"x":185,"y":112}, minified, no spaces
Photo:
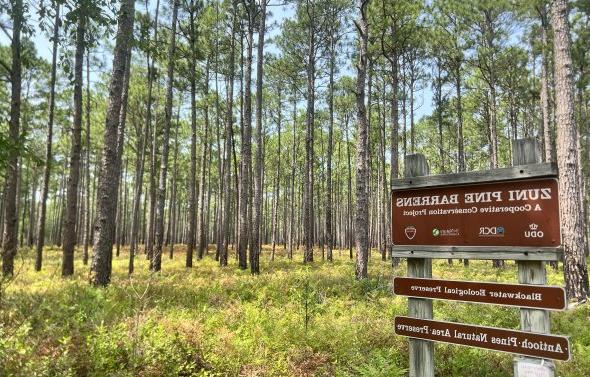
{"x":257,"y":205}
{"x":48,"y":153}
{"x":87,"y":214}
{"x":573,"y":223}
{"x":69,"y":233}
{"x":203,"y":211}
{"x":149,"y":244}
{"x":308,"y":206}
{"x":192,"y":203}
{"x":156,"y":261}
{"x":245,"y":189}
{"x":546,"y":124}
{"x":104,"y":229}
{"x":9,"y":237}
{"x":228,"y":145}
{"x":362,"y":168}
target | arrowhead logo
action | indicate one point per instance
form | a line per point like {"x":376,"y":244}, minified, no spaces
{"x":410,"y":232}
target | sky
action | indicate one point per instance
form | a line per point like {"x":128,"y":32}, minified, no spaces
{"x":423,"y":97}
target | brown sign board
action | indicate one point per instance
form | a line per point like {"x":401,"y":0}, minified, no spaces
{"x":491,"y":338}
{"x":521,"y":295}
{"x":522,"y":212}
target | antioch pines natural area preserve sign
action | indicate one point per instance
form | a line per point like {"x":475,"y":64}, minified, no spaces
{"x":492,"y":338}
{"x":514,"y":213}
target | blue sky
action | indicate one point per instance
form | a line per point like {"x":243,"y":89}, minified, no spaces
{"x":423,"y":97}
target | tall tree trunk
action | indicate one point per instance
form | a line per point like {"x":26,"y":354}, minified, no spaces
{"x":156,"y":261}
{"x":104,"y":229}
{"x":192,"y":203}
{"x":228,"y":142}
{"x":545,"y":108}
{"x":349,"y":192}
{"x":572,"y":221}
{"x":141,"y":137}
{"x":154,"y":145}
{"x":278,"y":176}
{"x":329,"y":217}
{"x":439,"y":114}
{"x":246,"y":166}
{"x":308,"y":211}
{"x":394,"y":146}
{"x":87,"y":212}
{"x":203,"y":200}
{"x":69,"y":232}
{"x":48,"y":153}
{"x":173,"y":199}
{"x":362,"y":159}
{"x":292,"y":218}
{"x":459,"y":109}
{"x":32,"y":211}
{"x":257,"y":207}
{"x":9,"y":238}
{"x":87,"y":170}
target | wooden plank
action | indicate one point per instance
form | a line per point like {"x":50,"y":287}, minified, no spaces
{"x":491,"y":338}
{"x":421,"y":351}
{"x":478,"y":252}
{"x":527,"y":151}
{"x":521,"y":295}
{"x":485,"y":255}
{"x":496,"y":175}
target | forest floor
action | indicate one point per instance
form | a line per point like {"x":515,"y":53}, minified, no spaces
{"x":292,"y":320}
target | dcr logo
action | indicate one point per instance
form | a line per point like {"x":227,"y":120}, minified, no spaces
{"x":491,"y":231}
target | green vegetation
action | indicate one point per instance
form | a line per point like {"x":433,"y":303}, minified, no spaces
{"x":208,"y":321}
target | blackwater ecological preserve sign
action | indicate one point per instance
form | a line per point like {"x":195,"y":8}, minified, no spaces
{"x":511,"y":213}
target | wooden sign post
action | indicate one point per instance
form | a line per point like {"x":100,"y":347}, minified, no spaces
{"x":421,"y":351}
{"x":509,"y":213}
{"x":527,"y":151}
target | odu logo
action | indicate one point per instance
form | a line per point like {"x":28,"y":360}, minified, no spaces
{"x":533,"y":231}
{"x":492,"y":231}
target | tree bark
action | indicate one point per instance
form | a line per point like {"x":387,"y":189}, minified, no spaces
{"x":156,"y":261}
{"x":9,"y":237}
{"x":572,"y":221}
{"x":69,"y":231}
{"x":192,"y":204}
{"x":459,"y":109}
{"x":48,"y":149}
{"x":362,"y":167}
{"x":228,"y":143}
{"x":104,"y":229}
{"x":246,"y":166}
{"x":308,"y":211}
{"x":203,"y":211}
{"x":149,"y":245}
{"x":544,"y":97}
{"x":257,"y":207}
{"x":278,"y":176}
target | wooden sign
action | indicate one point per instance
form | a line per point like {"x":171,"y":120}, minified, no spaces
{"x":492,"y":338}
{"x":521,"y":295}
{"x":521,"y":212}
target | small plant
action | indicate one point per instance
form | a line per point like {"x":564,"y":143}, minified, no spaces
{"x":310,"y":299}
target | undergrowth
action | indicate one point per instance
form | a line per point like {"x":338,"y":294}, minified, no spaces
{"x":291,"y":320}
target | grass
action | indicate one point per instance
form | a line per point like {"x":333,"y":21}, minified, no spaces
{"x":292,"y":320}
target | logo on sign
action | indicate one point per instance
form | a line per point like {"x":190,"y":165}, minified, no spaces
{"x":410,"y":232}
{"x":491,"y":231}
{"x":533,"y":231}
{"x":453,"y":232}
